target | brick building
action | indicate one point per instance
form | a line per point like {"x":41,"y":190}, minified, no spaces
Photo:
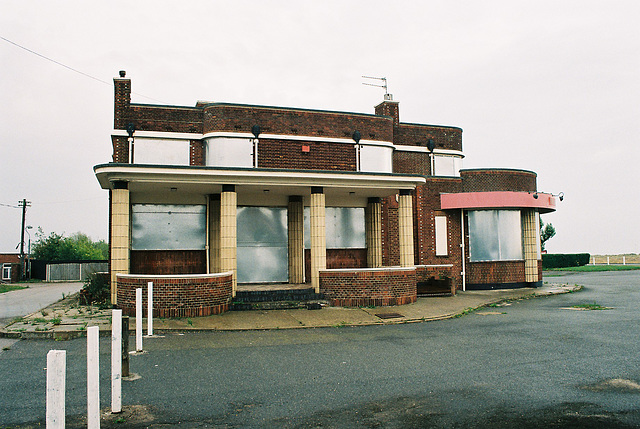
{"x":363,"y":208}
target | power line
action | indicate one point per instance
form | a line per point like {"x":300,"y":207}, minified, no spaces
{"x":8,"y":205}
{"x":70,"y":68}
{"x":54,"y":61}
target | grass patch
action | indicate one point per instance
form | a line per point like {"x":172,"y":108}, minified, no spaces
{"x":7,"y":288}
{"x":593,"y":306}
{"x":599,"y":268}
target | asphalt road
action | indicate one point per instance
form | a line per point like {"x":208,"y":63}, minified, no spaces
{"x":35,"y":297}
{"x":533,"y":363}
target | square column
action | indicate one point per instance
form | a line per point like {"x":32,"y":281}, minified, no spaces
{"x":405,"y":228}
{"x":318,"y":237}
{"x":530,"y":241}
{"x":214,"y":233}
{"x":373,"y":227}
{"x":228,"y":233}
{"x":120,"y":234}
{"x":295,"y":225}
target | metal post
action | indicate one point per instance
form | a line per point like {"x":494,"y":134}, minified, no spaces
{"x":93,"y":378}
{"x":125,"y":346}
{"x":56,"y":373}
{"x":138,"y":319}
{"x":116,"y":361}
{"x":150,"y":309}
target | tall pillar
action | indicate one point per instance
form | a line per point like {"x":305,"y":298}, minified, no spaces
{"x":318,"y":236}
{"x":120,"y":234}
{"x":295,"y":226}
{"x":228,"y":233}
{"x":214,"y":233}
{"x":405,"y":228}
{"x":530,"y":239}
{"x":373,"y":226}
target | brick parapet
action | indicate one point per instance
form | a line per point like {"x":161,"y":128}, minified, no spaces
{"x":289,"y":121}
{"x":177,"y":296}
{"x":486,"y":180}
{"x":165,"y":118}
{"x":364,"y":287}
{"x":449,"y":138}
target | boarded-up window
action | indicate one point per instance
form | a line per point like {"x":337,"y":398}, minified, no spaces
{"x":168,"y":227}
{"x":442,"y":242}
{"x":495,"y":235}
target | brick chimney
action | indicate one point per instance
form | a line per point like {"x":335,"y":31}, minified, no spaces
{"x":389,"y":108}
{"x":122,"y":101}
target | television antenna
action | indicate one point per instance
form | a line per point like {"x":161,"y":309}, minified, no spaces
{"x":387,"y":96}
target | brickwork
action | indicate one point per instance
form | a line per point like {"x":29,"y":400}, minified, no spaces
{"x":120,"y":149}
{"x":122,"y":101}
{"x":276,"y":120}
{"x":425,"y":273}
{"x":167,"y":262}
{"x":485,"y":180}
{"x":411,"y":163}
{"x":389,"y":108}
{"x":337,"y":259}
{"x":417,"y":135}
{"x":377,"y":287}
{"x":390,"y":243}
{"x":165,"y":118}
{"x":196,"y":152}
{"x":316,"y":156}
{"x":495,"y":272}
{"x":185,"y":296}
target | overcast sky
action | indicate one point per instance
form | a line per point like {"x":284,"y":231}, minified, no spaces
{"x":548,"y":86}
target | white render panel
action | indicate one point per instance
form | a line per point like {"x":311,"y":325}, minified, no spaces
{"x":376,"y":159}
{"x":161,"y":151}
{"x":229,"y":152}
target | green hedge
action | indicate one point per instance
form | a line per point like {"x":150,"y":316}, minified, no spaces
{"x":562,"y":260}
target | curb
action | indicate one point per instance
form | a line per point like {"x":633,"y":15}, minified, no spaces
{"x":64,"y":335}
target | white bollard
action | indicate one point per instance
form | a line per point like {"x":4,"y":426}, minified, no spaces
{"x":138,"y":319}
{"x":150,"y":309}
{"x":607,"y":260}
{"x":624,"y":260}
{"x":93,"y":377}
{"x":56,"y":373}
{"x":116,"y":361}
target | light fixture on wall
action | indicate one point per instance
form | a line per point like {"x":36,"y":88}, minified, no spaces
{"x":431,"y":145}
{"x":131,"y":128}
{"x":356,"y":137}
{"x":174,"y":189}
{"x":560,"y":196}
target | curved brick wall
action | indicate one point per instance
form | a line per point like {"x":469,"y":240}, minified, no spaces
{"x":495,"y":275}
{"x":485,"y":180}
{"x":372,"y":286}
{"x":177,"y":296}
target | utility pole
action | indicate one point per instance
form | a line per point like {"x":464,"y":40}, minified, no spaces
{"x":24,"y":204}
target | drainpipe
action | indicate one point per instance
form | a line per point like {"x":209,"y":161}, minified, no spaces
{"x":206,"y":245}
{"x":463,"y":273}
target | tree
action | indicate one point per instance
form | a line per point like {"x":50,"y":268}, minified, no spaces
{"x":546,"y":232}
{"x":79,"y":246}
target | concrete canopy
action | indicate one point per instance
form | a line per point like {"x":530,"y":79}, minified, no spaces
{"x":259,"y":186}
